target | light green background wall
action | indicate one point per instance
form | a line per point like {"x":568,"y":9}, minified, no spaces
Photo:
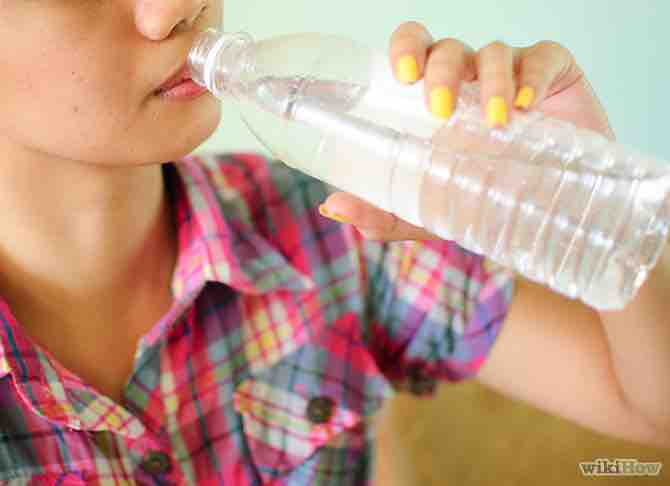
{"x":622,"y":46}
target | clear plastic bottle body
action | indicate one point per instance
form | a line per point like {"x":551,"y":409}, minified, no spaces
{"x":562,"y":206}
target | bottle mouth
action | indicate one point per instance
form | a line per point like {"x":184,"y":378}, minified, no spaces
{"x":204,"y":57}
{"x":203,"y":47}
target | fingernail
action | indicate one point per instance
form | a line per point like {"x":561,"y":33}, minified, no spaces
{"x":337,"y":217}
{"x":496,"y":111}
{"x":525,"y":97}
{"x":407,"y":69}
{"x":442,"y":102}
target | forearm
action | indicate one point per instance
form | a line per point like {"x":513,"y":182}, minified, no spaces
{"x":639,"y":342}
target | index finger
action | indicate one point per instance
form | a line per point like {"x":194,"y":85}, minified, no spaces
{"x":409,"y":49}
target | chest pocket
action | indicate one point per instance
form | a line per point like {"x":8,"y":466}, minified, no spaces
{"x":314,"y":401}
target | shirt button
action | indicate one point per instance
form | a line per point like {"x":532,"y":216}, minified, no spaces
{"x":320,"y":409}
{"x":420,"y":383}
{"x":155,"y":463}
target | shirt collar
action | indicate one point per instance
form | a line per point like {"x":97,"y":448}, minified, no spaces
{"x":217,"y":241}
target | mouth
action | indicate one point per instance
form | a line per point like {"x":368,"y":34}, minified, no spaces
{"x":182,"y":75}
{"x":180,"y":87}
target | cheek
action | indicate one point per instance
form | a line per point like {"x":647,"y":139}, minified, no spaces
{"x":65,"y":103}
{"x":77,"y":101}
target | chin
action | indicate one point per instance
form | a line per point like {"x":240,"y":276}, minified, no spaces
{"x":180,"y":136}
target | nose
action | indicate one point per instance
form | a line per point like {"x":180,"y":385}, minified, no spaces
{"x":157,"y":19}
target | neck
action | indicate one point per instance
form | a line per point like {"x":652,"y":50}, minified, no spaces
{"x":83,"y":245}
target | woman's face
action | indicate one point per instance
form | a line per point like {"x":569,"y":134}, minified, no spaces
{"x":79,"y":76}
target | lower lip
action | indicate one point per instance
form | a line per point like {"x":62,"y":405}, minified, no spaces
{"x":187,"y":90}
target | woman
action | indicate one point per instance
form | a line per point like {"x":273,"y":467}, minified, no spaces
{"x":197,"y":322}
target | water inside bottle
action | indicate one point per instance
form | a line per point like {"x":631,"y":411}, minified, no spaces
{"x":561,"y":208}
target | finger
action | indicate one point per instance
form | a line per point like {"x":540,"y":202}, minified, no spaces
{"x":449,"y":62}
{"x":408,"y":50}
{"x":495,"y":69}
{"x":371,"y":221}
{"x":542,"y":67}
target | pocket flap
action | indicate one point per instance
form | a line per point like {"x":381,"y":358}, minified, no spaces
{"x":309,"y":398}
{"x":278,"y":427}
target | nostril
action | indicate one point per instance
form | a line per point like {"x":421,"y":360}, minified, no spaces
{"x":188,"y":23}
{"x":175,"y":27}
{"x":193,"y":19}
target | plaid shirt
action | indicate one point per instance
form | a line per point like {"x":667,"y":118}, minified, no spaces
{"x":287,"y":332}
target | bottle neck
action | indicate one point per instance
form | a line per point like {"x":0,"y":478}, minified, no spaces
{"x":216,"y":60}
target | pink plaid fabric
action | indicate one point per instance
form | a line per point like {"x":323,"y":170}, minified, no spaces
{"x":287,"y":332}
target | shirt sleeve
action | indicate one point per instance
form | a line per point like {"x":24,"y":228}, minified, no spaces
{"x":433,"y":310}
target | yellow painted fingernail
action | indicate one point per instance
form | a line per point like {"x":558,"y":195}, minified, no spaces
{"x":496,"y":111}
{"x":337,"y":217}
{"x":525,"y":97}
{"x":408,"y":69}
{"x":441,"y":102}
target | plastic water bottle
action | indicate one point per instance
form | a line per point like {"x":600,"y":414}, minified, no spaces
{"x":562,"y":206}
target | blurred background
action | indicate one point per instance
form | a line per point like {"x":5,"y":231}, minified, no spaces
{"x":468,"y":435}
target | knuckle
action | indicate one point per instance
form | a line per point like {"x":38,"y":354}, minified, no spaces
{"x":450,"y":52}
{"x":549,"y":44}
{"x":534,"y":78}
{"x":413,"y":25}
{"x":392,"y":226}
{"x":496,"y":48}
{"x":411,"y":29}
{"x":557,"y":48}
{"x":495,"y":60}
{"x":387,"y":230}
{"x":447,"y":53}
{"x":494,"y":72}
{"x":453,"y":45}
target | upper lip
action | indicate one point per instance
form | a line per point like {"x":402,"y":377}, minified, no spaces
{"x":182,"y":74}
